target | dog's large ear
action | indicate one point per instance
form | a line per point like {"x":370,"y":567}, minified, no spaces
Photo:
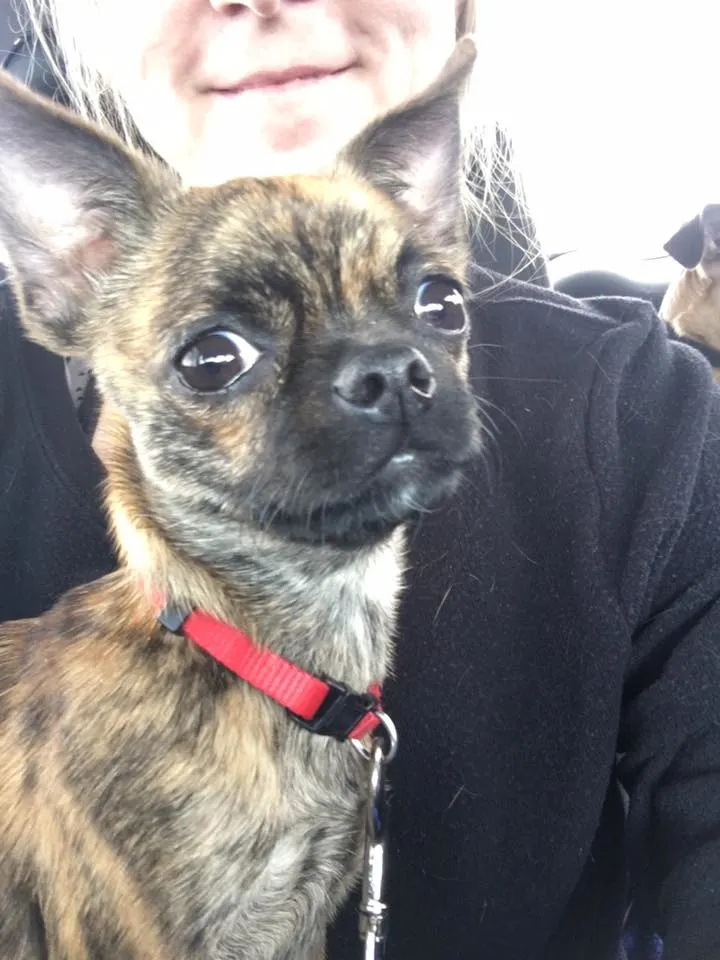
{"x":72,"y":201}
{"x":686,"y":246}
{"x":413,"y":154}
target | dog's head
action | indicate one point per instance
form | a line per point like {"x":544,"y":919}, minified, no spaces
{"x":287,"y":354}
{"x":697,"y":242}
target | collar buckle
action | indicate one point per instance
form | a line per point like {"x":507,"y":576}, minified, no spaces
{"x":344,"y":714}
{"x":173,"y":618}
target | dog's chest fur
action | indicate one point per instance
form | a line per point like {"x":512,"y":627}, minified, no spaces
{"x":184,"y":809}
{"x":308,"y":860}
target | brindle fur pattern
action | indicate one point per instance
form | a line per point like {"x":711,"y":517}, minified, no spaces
{"x":151,"y":804}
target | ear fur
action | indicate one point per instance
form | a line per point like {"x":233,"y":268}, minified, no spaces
{"x":686,"y":245}
{"x":72,"y":200}
{"x":413,"y":154}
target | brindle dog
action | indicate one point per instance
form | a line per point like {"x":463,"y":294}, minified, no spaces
{"x":283,"y":365}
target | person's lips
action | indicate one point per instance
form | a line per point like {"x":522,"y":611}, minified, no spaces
{"x":272,"y":81}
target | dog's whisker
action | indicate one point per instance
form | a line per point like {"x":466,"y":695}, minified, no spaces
{"x":485,"y":403}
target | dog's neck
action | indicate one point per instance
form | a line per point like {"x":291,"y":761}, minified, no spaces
{"x":327,"y":610}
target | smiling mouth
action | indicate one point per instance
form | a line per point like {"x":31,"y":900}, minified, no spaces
{"x":281,"y":82}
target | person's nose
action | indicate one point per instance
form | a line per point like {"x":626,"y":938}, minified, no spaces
{"x":266,"y":9}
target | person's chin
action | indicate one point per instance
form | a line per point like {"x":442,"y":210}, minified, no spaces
{"x":286,"y":156}
{"x":240,"y":144}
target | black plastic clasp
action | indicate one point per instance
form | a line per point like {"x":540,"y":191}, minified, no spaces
{"x":339,"y":713}
{"x":172,"y":618}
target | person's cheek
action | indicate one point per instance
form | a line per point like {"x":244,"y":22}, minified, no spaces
{"x":407,"y":43}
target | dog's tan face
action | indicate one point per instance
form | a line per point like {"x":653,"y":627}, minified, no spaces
{"x":691,"y":304}
{"x":289,"y":354}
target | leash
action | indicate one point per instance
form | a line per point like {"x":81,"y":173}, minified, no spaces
{"x":328,"y":708}
{"x":373,"y":905}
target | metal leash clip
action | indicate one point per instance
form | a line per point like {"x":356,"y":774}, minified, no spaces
{"x":373,"y":908}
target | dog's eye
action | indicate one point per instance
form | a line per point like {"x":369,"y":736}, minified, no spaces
{"x":440,"y":302}
{"x":215,"y":360}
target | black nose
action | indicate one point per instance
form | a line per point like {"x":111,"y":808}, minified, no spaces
{"x":386,"y":383}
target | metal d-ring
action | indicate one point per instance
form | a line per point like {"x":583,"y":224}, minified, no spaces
{"x":391,"y":739}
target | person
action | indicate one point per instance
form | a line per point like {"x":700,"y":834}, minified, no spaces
{"x":557,"y":677}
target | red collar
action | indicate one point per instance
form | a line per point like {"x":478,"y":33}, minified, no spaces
{"x":320,"y":705}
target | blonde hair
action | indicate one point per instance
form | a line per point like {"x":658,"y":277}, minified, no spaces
{"x":64,"y":31}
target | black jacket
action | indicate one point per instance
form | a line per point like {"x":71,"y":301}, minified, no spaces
{"x":560,"y":637}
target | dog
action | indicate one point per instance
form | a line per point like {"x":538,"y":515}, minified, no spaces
{"x":691,"y":304}
{"x":283,"y":365}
